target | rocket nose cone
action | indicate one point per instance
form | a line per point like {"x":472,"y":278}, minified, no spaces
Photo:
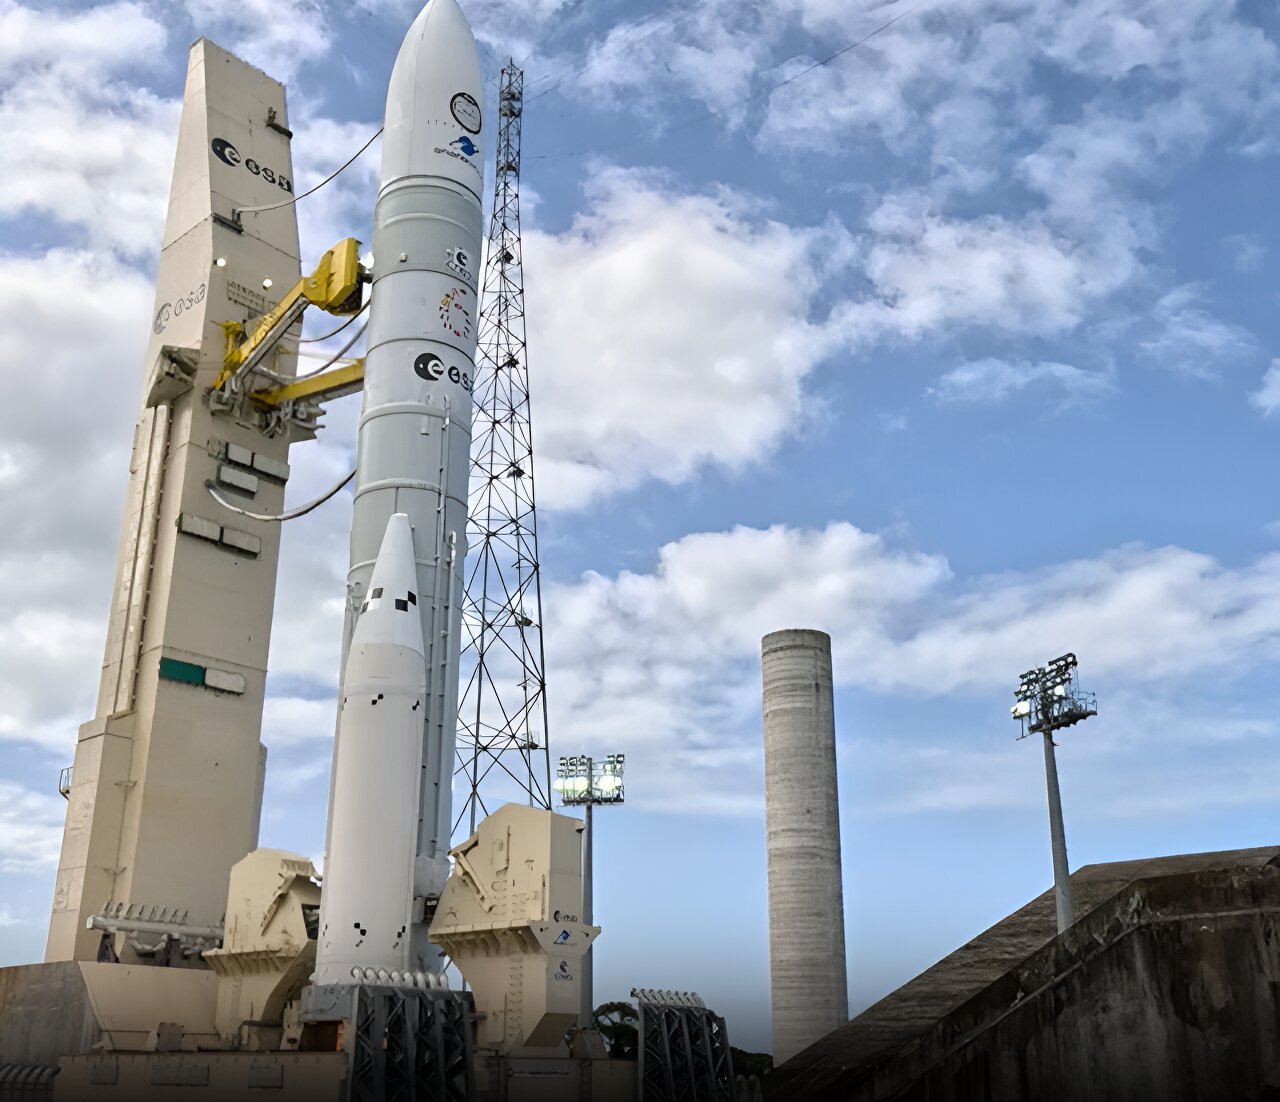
{"x":434,"y":114}
{"x":390,"y":612}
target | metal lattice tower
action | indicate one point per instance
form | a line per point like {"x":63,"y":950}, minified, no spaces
{"x":502,"y":717}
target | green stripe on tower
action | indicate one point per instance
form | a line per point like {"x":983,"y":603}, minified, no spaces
{"x":186,"y":672}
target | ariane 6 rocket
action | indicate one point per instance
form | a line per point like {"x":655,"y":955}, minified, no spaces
{"x":390,"y":801}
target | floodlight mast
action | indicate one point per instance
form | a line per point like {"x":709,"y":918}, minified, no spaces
{"x":582,"y":782}
{"x":1048,"y":700}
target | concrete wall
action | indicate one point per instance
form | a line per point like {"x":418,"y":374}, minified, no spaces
{"x":1167,"y":991}
{"x":802,"y":836}
{"x":45,"y":1013}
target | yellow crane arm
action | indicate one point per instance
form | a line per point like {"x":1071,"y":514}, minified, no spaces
{"x":334,"y":287}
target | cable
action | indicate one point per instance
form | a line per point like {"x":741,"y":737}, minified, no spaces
{"x":310,"y":191}
{"x":334,"y":333}
{"x":768,"y":89}
{"x":336,"y":357}
{"x":288,"y":514}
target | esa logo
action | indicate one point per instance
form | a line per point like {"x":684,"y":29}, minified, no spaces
{"x":228,"y":154}
{"x":431,"y":367}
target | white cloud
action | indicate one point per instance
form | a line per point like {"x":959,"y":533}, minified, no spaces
{"x":930,"y":271}
{"x":954,"y":93}
{"x":1199,"y":52}
{"x":280,"y":37}
{"x":666,"y":663}
{"x":1267,"y":396}
{"x":1193,"y":341}
{"x":95,"y":39}
{"x":668,"y":332}
{"x":95,"y":147}
{"x":66,"y":426}
{"x":30,"y":829}
{"x":992,"y":380}
{"x":1247,"y":251}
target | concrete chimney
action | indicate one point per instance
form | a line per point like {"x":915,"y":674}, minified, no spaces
{"x":802,"y":836}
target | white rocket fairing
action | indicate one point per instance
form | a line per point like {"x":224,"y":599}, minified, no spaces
{"x":365,"y":910}
{"x":413,"y":459}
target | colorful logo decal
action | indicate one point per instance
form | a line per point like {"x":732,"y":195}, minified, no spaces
{"x":454,"y":314}
{"x":466,"y":145}
{"x":564,"y":936}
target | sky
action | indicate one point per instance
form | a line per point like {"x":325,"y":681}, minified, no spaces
{"x":961,"y":347}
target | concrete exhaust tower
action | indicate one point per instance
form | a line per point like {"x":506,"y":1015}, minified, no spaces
{"x":802,"y":837}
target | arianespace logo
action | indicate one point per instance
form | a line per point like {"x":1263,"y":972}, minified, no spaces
{"x":562,"y":973}
{"x":228,"y":154}
{"x":463,"y":149}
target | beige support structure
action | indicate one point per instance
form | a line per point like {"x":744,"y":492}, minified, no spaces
{"x":802,"y":836}
{"x":166,"y":788}
{"x":268,"y":949}
{"x":508,"y":918}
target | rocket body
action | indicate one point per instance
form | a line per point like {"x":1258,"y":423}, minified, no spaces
{"x":413,"y":451}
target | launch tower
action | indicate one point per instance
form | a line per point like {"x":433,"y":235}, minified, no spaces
{"x":503,"y":751}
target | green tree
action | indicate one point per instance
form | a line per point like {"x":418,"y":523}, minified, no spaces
{"x":619,"y":1025}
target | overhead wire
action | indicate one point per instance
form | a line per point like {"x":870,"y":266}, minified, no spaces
{"x":311,"y":191}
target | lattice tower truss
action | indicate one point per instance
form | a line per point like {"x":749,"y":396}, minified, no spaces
{"x":503,"y":752}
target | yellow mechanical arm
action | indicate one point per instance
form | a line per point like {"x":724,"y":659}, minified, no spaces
{"x":334,"y":287}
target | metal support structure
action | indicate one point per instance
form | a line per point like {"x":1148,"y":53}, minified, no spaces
{"x":1057,"y":838}
{"x":587,"y":1014}
{"x":502,"y":717}
{"x":684,"y":1049}
{"x":404,"y":1043}
{"x":1048,"y":700}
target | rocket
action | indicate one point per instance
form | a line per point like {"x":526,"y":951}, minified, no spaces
{"x":409,"y":519}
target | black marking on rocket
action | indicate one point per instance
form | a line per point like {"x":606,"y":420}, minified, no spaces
{"x":413,"y":597}
{"x":402,"y":606}
{"x":377,"y":592}
{"x":415,"y":705}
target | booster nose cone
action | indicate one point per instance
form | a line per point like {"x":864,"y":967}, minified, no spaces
{"x":433,"y":119}
{"x":390,"y":612}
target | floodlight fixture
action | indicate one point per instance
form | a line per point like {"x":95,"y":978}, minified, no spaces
{"x":582,"y":781}
{"x":1053,"y":698}
{"x":1048,"y":700}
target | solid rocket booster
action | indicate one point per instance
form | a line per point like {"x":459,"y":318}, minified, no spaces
{"x":365,"y":909}
{"x":413,"y":452}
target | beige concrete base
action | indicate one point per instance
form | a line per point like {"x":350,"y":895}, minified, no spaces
{"x":207,"y":1076}
{"x":530,"y":1078}
{"x":70,"y":1008}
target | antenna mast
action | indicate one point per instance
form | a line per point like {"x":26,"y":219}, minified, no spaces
{"x":502,"y":719}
